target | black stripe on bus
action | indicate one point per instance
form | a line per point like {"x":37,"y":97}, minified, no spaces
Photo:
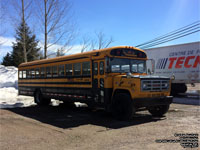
{"x":54,"y":83}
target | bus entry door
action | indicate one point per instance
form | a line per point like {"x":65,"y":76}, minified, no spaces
{"x":98,"y":81}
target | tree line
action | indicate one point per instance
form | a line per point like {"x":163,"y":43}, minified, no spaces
{"x":57,"y":28}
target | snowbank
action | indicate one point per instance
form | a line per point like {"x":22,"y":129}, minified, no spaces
{"x":9,"y":98}
{"x":8,"y":89}
{"x":8,"y":76}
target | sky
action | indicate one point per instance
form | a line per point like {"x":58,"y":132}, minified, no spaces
{"x":128,"y":22}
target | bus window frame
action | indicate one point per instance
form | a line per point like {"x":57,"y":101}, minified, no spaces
{"x":80,"y":69}
{"x":61,"y":66}
{"x":50,"y":75}
{"x":56,"y":71}
{"x":96,"y":71}
{"x":20,"y":74}
{"x":37,"y":75}
{"x":24,"y":73}
{"x":41,"y":68}
{"x":71,"y":73}
{"x":86,"y":75}
{"x":101,"y":72}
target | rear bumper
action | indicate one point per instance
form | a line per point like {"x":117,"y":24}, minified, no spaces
{"x":146,"y":102}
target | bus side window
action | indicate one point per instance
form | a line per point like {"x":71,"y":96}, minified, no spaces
{"x":28,"y":74}
{"x":86,"y":68}
{"x":24,"y":74}
{"x":95,"y":68}
{"x":61,"y":70}
{"x":101,"y":68}
{"x":32,"y":73}
{"x":20,"y":75}
{"x":48,"y":72}
{"x":55,"y":71}
{"x":42,"y":72}
{"x":77,"y":69}
{"x":37,"y":73}
{"x":68,"y":68}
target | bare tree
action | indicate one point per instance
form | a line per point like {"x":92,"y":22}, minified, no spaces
{"x":98,"y":42}
{"x":3,"y":19}
{"x":85,"y":44}
{"x":21,"y":15}
{"x":23,"y":20}
{"x":102,"y":42}
{"x":55,"y":22}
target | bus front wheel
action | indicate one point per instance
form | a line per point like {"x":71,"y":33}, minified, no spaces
{"x":122,"y":107}
{"x":40,"y":100}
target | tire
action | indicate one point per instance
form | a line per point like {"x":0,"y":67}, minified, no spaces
{"x":159,"y":111}
{"x":178,"y":88}
{"x":122,"y":107}
{"x":40,"y":100}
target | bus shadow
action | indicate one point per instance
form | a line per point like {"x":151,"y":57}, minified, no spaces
{"x":68,"y":117}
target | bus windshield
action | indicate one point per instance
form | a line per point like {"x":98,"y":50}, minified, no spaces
{"x":122,"y":65}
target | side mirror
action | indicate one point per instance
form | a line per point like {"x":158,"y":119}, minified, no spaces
{"x":173,"y":77}
{"x":149,"y":71}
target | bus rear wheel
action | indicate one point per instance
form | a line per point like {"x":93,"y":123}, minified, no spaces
{"x":122,"y":107}
{"x":158,"y":111}
{"x":40,"y":100}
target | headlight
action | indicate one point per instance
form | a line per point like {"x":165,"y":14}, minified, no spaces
{"x":144,"y":86}
{"x":166,"y":85}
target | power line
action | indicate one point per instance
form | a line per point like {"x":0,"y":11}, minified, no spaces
{"x":192,"y":28}
{"x":172,"y":38}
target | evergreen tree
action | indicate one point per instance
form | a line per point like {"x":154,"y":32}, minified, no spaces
{"x":32,"y":50}
{"x":8,"y":60}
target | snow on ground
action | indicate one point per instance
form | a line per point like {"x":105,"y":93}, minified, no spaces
{"x":9,"y":98}
{"x":8,"y":89}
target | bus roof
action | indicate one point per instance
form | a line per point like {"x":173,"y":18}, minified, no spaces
{"x":77,"y":55}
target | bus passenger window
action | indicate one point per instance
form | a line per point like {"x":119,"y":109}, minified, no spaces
{"x":42,"y":72}
{"x":68,"y":68}
{"x":55,"y":71}
{"x":20,"y":74}
{"x":32,"y":73}
{"x":77,"y":69}
{"x":101,"y":68}
{"x":24,"y":74}
{"x":37,"y":73}
{"x":48,"y":72}
{"x":61,"y":70}
{"x":95,"y":68}
{"x":28,"y":74}
{"x":86,"y":68}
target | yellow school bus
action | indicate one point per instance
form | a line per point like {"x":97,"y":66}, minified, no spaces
{"x":114,"y":78}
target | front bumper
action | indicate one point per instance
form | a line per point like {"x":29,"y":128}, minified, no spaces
{"x":147,"y":102}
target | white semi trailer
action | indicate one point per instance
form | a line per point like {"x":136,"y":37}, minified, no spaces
{"x":179,"y":61}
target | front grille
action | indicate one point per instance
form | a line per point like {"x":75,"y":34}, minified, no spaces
{"x":154,"y":85}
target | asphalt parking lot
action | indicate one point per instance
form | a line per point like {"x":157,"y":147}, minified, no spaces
{"x":61,"y":127}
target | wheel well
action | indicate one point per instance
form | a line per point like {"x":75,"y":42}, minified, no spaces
{"x":120,"y":91}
